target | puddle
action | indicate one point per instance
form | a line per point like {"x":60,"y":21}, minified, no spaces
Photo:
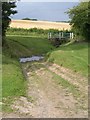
{"x":30,"y":59}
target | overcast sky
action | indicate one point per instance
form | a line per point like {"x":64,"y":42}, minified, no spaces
{"x":50,"y":11}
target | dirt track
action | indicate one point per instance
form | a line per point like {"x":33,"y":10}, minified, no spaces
{"x":48,"y":99}
{"x":39,"y":24}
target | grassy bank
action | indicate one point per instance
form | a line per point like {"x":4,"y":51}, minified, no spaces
{"x":13,"y":82}
{"x":26,"y":46}
{"x":73,"y":56}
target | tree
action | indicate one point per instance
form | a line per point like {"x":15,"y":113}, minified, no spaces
{"x":7,"y":10}
{"x":26,"y":19}
{"x":29,"y":19}
{"x":79,"y":16}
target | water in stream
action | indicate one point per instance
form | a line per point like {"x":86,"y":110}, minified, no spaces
{"x":30,"y":59}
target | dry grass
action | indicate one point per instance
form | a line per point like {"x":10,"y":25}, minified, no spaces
{"x":39,"y":24}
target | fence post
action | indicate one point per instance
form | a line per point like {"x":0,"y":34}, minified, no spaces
{"x":59,"y":35}
{"x":62,"y":34}
{"x":72,"y":35}
{"x":49,"y":35}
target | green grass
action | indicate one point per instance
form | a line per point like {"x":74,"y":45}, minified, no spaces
{"x":13,"y":82}
{"x":73,"y":56}
{"x":28,"y":46}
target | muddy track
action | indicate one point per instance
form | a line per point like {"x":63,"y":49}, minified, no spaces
{"x":48,"y":99}
{"x":72,"y":77}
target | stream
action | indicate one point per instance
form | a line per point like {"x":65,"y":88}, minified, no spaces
{"x":30,"y":59}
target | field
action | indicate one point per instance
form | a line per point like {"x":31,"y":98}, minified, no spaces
{"x":54,"y":87}
{"x":27,"y":24}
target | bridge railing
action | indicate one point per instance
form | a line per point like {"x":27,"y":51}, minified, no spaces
{"x":61,"y":35}
{"x":59,"y":38}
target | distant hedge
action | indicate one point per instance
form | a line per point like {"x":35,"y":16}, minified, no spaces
{"x":34,"y":30}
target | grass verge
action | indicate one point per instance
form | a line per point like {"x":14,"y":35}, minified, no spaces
{"x":73,"y":56}
{"x":13,"y":82}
